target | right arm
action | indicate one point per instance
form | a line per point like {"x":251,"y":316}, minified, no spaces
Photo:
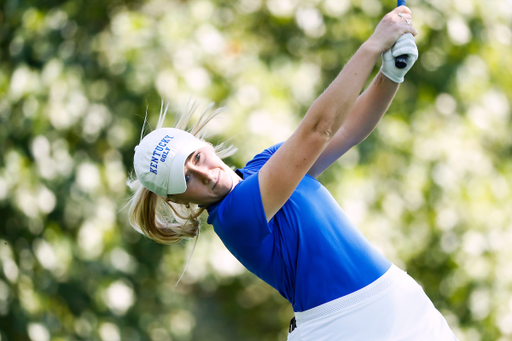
{"x":279,"y":177}
{"x":362,"y":120}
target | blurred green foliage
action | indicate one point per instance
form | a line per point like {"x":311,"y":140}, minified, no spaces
{"x":431,"y":187}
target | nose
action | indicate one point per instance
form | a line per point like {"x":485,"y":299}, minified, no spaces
{"x":201,"y":173}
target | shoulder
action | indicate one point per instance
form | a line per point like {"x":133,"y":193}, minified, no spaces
{"x":260,"y":159}
{"x":240,"y":215}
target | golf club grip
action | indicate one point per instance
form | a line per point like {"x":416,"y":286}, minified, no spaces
{"x":401,"y":61}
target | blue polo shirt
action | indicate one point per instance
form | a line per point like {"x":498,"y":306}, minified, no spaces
{"x":309,"y":251}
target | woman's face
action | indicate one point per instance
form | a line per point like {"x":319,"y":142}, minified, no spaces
{"x":208,"y":178}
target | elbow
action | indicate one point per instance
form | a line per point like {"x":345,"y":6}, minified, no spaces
{"x":328,"y":125}
{"x":352,"y":138}
{"x":323,"y":120}
{"x":322,"y":131}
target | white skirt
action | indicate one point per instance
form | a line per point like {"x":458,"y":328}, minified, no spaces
{"x":393,"y":308}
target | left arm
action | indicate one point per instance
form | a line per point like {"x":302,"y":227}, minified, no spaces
{"x":371,"y":105}
{"x":366,"y":113}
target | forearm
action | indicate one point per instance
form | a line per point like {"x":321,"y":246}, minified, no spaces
{"x":369,"y":109}
{"x":359,"y":115}
{"x":332,"y":108}
{"x":362,"y":119}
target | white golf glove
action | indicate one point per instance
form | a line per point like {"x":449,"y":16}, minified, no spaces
{"x":404,"y":45}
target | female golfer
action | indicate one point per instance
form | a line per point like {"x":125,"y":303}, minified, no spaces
{"x":280,"y":222}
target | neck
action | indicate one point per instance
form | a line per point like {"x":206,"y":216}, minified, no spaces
{"x":235,"y":179}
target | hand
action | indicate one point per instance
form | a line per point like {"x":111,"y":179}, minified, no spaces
{"x":394,"y":25}
{"x":404,"y":45}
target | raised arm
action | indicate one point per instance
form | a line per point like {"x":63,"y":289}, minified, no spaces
{"x":360,"y":122}
{"x":372,"y":104}
{"x":279,"y":177}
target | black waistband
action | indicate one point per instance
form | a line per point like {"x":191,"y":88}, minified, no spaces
{"x":293,"y":325}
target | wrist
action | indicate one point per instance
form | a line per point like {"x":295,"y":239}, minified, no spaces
{"x":372,"y":48}
{"x":384,"y":81}
{"x":397,"y":79}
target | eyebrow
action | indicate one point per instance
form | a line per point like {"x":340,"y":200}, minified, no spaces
{"x":188,"y":158}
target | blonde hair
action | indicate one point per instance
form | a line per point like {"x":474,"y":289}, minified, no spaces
{"x":157,"y":217}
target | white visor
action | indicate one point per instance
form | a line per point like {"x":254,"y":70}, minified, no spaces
{"x":160,"y":157}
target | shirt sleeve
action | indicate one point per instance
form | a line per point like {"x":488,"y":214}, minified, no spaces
{"x":259,"y":160}
{"x":240,"y":219}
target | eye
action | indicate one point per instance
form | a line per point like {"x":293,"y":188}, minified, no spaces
{"x":197,"y":157}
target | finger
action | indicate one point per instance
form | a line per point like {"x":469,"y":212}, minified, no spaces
{"x":405,"y":46}
{"x":402,"y":43}
{"x":412,"y":31}
{"x":388,"y":55}
{"x":403,"y":9}
{"x":405,"y":39}
{"x":408,"y":29}
{"x":407,"y":16}
{"x":401,"y":17}
{"x":404,"y":17}
{"x":409,"y":50}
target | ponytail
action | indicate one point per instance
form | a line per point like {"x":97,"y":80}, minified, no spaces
{"x":160,"y":219}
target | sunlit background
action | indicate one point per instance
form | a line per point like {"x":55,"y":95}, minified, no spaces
{"x":431,"y":187}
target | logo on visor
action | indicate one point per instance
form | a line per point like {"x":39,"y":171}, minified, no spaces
{"x":160,"y":154}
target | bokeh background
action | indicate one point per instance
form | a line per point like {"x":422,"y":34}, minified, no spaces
{"x":431,"y":187}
